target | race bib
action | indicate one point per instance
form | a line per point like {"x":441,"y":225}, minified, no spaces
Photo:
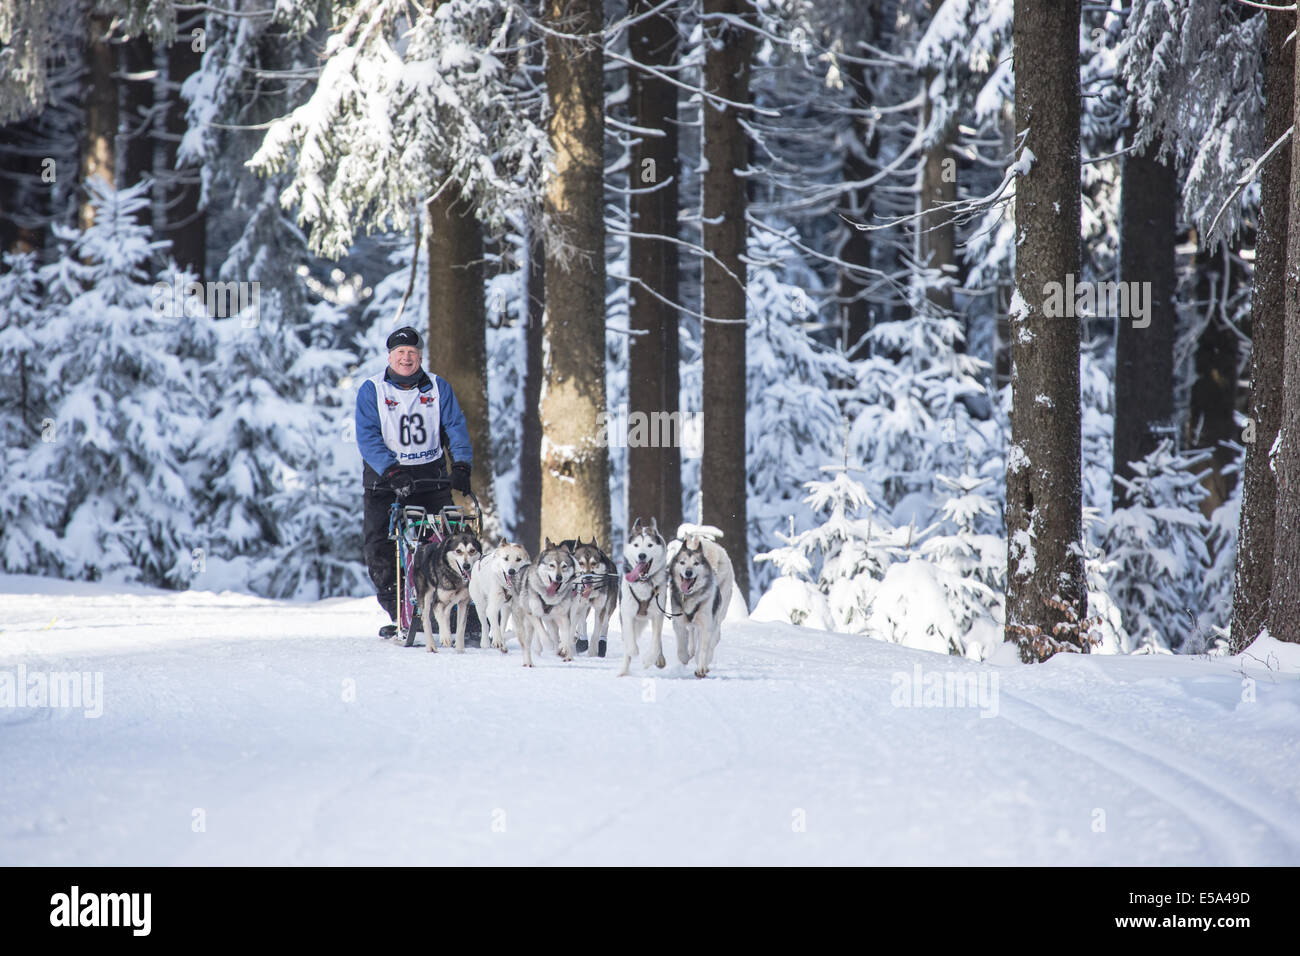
{"x":410,"y":421}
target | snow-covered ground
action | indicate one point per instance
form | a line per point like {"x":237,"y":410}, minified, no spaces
{"x":238,"y":730}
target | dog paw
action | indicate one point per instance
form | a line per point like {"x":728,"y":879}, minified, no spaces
{"x":701,"y":672}
{"x":661,"y":662}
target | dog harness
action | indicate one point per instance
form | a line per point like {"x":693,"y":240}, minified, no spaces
{"x":643,"y":607}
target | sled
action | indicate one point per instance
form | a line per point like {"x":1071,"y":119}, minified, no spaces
{"x":410,"y":526}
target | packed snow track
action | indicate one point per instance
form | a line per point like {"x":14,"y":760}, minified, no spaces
{"x":237,"y":730}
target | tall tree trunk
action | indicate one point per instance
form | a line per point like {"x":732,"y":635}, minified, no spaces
{"x":1005,"y":289}
{"x":1144,"y":361}
{"x":186,"y":222}
{"x":1254,"y":571}
{"x":654,"y":467}
{"x":938,"y":233}
{"x":1044,"y":489}
{"x":1211,"y":420}
{"x":857,"y":313}
{"x":100,"y":131}
{"x":529,"y":510}
{"x":135,"y":136}
{"x":1284,"y":600}
{"x":723,"y":478}
{"x":458,"y":332}
{"x":575,"y":462}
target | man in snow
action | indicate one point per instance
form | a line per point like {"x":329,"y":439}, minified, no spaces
{"x":403,"y":415}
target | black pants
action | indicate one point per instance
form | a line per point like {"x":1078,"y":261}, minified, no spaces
{"x":380,"y":553}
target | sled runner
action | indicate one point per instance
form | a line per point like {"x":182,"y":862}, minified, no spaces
{"x":409,"y":526}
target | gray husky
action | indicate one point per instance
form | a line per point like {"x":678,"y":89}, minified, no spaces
{"x":701,"y":578}
{"x":442,"y":572}
{"x":644,"y":591}
{"x":545,"y":606}
{"x":596,"y":587}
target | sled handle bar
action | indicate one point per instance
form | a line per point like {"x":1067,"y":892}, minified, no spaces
{"x":417,"y":486}
{"x":435,"y":484}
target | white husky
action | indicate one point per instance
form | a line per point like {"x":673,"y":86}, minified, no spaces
{"x":701,"y":579}
{"x":495,"y":587}
{"x":643,"y":596}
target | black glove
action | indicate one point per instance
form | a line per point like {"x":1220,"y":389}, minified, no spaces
{"x":400,"y":480}
{"x":460,"y":477}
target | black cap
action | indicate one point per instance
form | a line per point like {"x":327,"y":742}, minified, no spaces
{"x":404,"y":336}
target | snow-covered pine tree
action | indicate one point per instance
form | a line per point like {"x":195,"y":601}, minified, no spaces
{"x":316,"y":506}
{"x":119,"y":368}
{"x":282,"y":493}
{"x":1158,"y":544}
{"x":32,"y":495}
{"x":911,"y":414}
{"x":793,"y":420}
{"x":1097,"y":423}
{"x":1099,"y":571}
{"x":279,"y":446}
{"x":408,"y":101}
{"x":968,"y":555}
{"x":831,"y":572}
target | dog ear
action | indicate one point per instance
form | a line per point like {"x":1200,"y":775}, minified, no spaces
{"x":504,"y":543}
{"x":548,"y":544}
{"x":654,"y":524}
{"x":636,"y":525}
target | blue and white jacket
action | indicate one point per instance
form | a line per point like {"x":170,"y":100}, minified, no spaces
{"x":385,"y":439}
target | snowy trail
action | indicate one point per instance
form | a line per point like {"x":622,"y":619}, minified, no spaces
{"x":236,"y":710}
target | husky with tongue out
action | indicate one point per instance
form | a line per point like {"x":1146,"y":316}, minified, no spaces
{"x":642,"y":592}
{"x":545,"y":608}
{"x":702,"y":579}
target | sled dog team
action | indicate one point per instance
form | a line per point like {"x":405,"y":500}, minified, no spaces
{"x":688,"y":580}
